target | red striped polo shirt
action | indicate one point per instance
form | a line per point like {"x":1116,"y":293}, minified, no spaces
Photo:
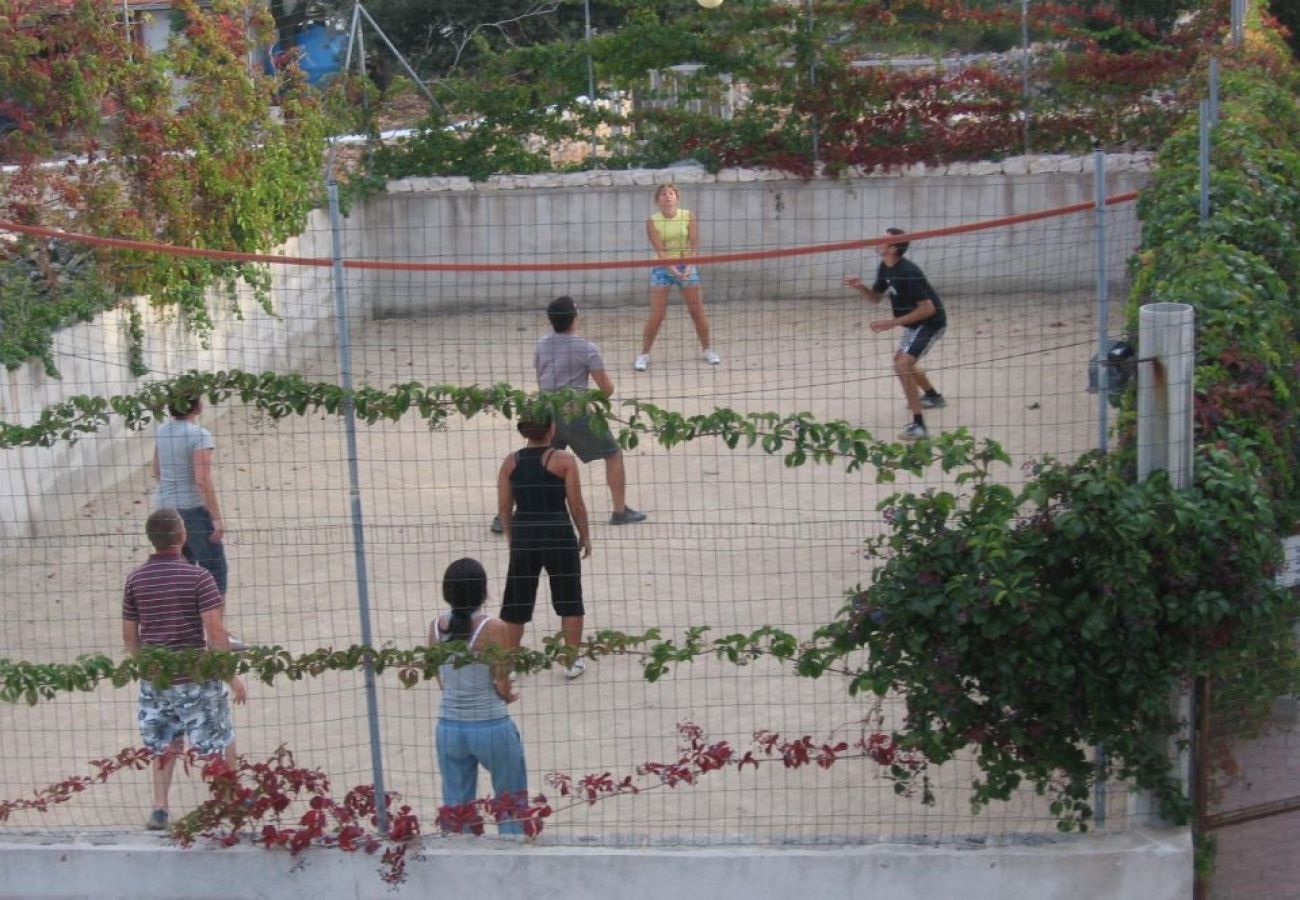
{"x":168,"y":596}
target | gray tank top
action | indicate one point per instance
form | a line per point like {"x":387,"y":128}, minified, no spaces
{"x":468,"y":694}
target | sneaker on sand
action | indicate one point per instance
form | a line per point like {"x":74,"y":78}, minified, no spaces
{"x":157,"y":820}
{"x":495,"y":527}
{"x":711,"y":357}
{"x":642,"y":362}
{"x":575,"y":671}
{"x":914,"y":432}
{"x":627,"y":516}
{"x":935,"y":401}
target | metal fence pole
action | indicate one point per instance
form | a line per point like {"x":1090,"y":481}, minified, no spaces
{"x":1166,"y":345}
{"x":1166,"y":376}
{"x":812,"y":79}
{"x":354,"y":494}
{"x":1203,"y":160}
{"x":1103,"y":295}
{"x":1103,"y":397}
{"x":1214,"y":90}
{"x":591,"y":73}
{"x":1024,"y":67}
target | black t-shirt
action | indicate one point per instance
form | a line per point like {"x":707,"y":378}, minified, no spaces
{"x":907,"y":287}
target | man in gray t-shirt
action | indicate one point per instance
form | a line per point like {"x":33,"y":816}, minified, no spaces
{"x":565,"y":359}
{"x":182,"y":463}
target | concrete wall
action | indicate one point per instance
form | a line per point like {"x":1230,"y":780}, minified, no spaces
{"x":578,"y":217}
{"x":1136,"y":865}
{"x":49,"y":483}
{"x":588,"y":217}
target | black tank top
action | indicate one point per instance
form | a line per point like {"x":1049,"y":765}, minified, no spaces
{"x":541,"y":508}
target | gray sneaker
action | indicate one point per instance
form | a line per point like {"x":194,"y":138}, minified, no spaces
{"x":627,"y":517}
{"x":914,"y":432}
{"x":157,"y":820}
{"x":495,"y":527}
{"x":933,"y":402}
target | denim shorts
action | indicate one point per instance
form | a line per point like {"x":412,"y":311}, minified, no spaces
{"x":664,"y":276}
{"x":199,"y":711}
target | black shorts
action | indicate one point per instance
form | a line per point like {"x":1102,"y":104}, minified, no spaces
{"x":563,"y":565}
{"x":918,"y":339}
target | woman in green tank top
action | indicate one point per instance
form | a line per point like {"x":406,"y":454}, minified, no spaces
{"x":675,"y":235}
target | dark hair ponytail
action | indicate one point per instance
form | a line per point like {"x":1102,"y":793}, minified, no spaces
{"x":464,"y":587}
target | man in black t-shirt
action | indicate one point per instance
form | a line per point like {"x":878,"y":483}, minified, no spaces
{"x":919,"y":312}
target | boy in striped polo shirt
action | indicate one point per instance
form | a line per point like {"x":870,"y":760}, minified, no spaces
{"x":172,"y":603}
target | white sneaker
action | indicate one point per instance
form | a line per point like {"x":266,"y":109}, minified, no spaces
{"x":642,"y":362}
{"x":574,"y":671}
{"x":711,"y":357}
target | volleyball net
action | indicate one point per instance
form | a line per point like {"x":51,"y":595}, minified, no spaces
{"x":450,"y":287}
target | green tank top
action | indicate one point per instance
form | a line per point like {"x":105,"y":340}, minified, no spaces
{"x":674,"y":232}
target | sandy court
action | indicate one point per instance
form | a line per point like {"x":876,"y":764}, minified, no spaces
{"x":735,"y":540}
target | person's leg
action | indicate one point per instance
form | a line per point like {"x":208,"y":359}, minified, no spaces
{"x":162,"y":733}
{"x":616,"y":479}
{"x":459,"y":770}
{"x":658,"y":311}
{"x":520,"y":595}
{"x":564,"y":572}
{"x":199,"y":547}
{"x":498,"y":747}
{"x":915,"y":346}
{"x":571,"y":630}
{"x":694,"y":297}
{"x":164,"y":766}
{"x":905,"y":369}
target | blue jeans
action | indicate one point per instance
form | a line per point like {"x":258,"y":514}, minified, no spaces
{"x":496,"y":746}
{"x":667,"y":276}
{"x":199,"y":547}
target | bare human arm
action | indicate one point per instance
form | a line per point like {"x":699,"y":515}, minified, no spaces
{"x":566,"y":467}
{"x":208,"y":490}
{"x":603,"y":381}
{"x":505,"y":496}
{"x":661,"y":250}
{"x":494,"y":635}
{"x":131,"y":636}
{"x":924,"y":310}
{"x":692,"y":244}
{"x":218,"y":638}
{"x":433,"y":642}
{"x":863,"y":288}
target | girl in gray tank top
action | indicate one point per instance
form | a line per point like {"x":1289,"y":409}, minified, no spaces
{"x":474,"y":728}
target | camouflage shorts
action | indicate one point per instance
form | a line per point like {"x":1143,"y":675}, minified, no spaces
{"x":199,"y":712}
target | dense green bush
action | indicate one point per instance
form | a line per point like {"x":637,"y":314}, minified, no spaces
{"x":1029,"y":624}
{"x":1097,"y":77}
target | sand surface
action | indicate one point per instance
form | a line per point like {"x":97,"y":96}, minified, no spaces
{"x":734,"y":540}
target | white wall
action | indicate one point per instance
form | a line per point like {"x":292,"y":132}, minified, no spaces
{"x":40,"y":484}
{"x":599,"y":216}
{"x":583,"y":216}
{"x":1136,"y":865}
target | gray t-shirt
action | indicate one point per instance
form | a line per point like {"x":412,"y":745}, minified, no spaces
{"x":176,"y":442}
{"x":565,"y":360}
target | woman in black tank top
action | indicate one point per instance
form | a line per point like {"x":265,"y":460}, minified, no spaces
{"x":541,"y":509}
{"x":539,"y":503}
